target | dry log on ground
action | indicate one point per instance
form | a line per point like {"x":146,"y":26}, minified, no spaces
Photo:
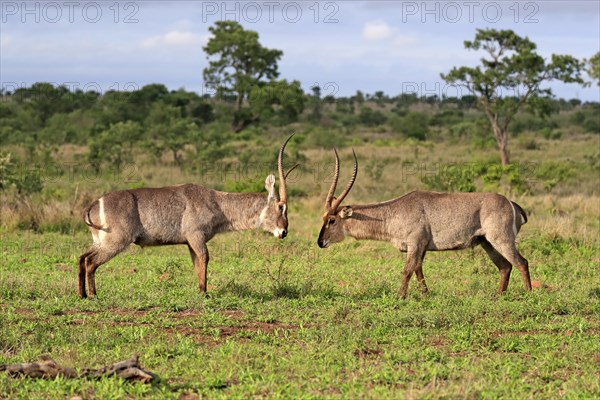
{"x":49,"y":369}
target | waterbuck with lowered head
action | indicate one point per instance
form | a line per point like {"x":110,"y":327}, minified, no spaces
{"x":420,"y":221}
{"x":184,"y":214}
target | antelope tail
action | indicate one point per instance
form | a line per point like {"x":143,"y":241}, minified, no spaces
{"x":87,"y":219}
{"x":521,"y":211}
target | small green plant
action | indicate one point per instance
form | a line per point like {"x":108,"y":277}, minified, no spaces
{"x":516,"y":178}
{"x":279,"y":282}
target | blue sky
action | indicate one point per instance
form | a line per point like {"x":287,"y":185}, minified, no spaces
{"x":394,"y":46}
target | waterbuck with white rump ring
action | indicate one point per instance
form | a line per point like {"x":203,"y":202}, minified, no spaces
{"x":184,"y":214}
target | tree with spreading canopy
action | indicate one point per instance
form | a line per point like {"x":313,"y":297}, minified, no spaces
{"x":511,"y":78}
{"x":239,"y":67}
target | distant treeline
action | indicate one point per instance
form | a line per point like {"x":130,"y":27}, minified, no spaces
{"x":175,"y":122}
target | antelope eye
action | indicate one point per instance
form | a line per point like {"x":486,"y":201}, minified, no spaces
{"x":331,"y":221}
{"x":281,"y":208}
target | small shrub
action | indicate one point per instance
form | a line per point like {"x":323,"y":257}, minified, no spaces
{"x":245,"y":185}
{"x":414,"y":125}
{"x":551,"y":134}
{"x":448,"y":118}
{"x":553,"y":172}
{"x":326,"y":140}
{"x":529,"y":144}
{"x":369,"y":117}
{"x":27,"y":181}
{"x":455,"y":178}
{"x":463,"y":129}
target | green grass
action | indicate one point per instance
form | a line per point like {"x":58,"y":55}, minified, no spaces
{"x":285,"y":319}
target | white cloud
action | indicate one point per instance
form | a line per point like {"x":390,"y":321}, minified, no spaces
{"x":173,"y":39}
{"x":377,"y":30}
{"x":382,"y":32}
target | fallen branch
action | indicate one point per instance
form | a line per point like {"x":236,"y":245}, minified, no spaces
{"x":47,"y":368}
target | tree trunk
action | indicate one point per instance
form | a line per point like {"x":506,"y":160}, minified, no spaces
{"x":501,"y":136}
{"x":176,"y":157}
{"x":240,"y":124}
{"x":238,"y":101}
{"x":503,"y":153}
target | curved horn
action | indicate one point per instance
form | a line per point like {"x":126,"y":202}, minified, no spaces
{"x":282,"y":176}
{"x":336,"y":175}
{"x":339,"y":200}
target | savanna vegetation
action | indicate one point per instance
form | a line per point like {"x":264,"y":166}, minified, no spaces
{"x":283,"y":318}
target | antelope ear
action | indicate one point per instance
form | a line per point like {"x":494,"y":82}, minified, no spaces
{"x":346,"y":212}
{"x":270,"y":186}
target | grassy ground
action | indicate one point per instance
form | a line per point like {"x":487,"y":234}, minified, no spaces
{"x":285,"y":319}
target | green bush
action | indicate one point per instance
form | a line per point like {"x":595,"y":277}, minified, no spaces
{"x":464,"y":129}
{"x":528,"y":143}
{"x":326,"y":139}
{"x":114,"y":145}
{"x":588,"y":118}
{"x":245,"y":185}
{"x":530,"y":122}
{"x":448,"y":118}
{"x":453,"y":178}
{"x":369,"y":117}
{"x":26,"y":181}
{"x":413,"y":125}
{"x":467,"y":177}
{"x":553,"y":172}
{"x":551,"y":134}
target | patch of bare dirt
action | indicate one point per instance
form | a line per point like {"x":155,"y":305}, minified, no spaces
{"x":540,"y":285}
{"x":164,"y":277}
{"x":367,"y":352}
{"x":64,"y":267}
{"x":238,"y":332}
{"x":189,"y":324}
{"x":189,"y":396}
{"x":255,"y":326}
{"x":234,"y":314}
{"x":186,"y":314}
{"x":437,"y":341}
{"x":24,"y":311}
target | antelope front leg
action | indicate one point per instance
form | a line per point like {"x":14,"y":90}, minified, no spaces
{"x":199,"y":253}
